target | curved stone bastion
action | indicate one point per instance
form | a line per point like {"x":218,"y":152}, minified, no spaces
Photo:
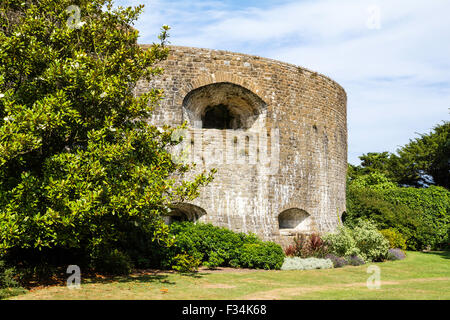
{"x":275,"y":132}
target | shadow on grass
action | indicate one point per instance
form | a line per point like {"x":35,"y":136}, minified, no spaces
{"x":145,"y":276}
{"x":443,"y":254}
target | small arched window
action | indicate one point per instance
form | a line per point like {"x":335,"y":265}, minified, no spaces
{"x":294,"y":219}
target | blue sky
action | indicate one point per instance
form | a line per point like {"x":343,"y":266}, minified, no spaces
{"x":395,"y":69}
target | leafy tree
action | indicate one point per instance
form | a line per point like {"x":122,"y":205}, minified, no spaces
{"x":425,"y":157}
{"x":422,"y":162}
{"x":374,"y":180}
{"x":375,"y":161}
{"x":80,"y":167}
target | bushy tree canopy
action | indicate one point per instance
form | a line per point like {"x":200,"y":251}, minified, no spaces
{"x":79,"y":163}
{"x":423,"y":161}
{"x":424,"y":157}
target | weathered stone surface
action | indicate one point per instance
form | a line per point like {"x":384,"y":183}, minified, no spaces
{"x":284,"y":145}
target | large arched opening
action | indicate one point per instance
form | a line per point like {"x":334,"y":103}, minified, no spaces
{"x":184,"y":212}
{"x":222,"y":105}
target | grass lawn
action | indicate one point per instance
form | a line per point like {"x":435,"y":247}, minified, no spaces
{"x":419,"y":276}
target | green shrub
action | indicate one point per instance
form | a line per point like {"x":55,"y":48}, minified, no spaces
{"x":9,"y":286}
{"x":364,"y":241}
{"x":266,"y":255}
{"x":395,"y":238}
{"x":218,"y":247}
{"x":185,"y":263}
{"x":200,"y":240}
{"x":215,"y":260}
{"x":296,"y":263}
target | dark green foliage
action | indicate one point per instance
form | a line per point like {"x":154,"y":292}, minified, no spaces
{"x":7,"y":275}
{"x":378,"y":190}
{"x":9,"y":286}
{"x":422,"y":216}
{"x":424,"y":157}
{"x":218,"y":247}
{"x":369,"y":204}
{"x":200,"y":240}
{"x":422,"y":162}
{"x":266,"y":255}
{"x":111,"y":262}
{"x":433,"y":206}
{"x":215,"y":259}
{"x":371,"y":162}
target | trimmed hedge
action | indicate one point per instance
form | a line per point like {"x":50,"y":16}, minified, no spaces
{"x":265,"y":255}
{"x":433,"y":206}
{"x":422,"y":216}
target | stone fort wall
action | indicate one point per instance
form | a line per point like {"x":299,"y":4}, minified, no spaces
{"x":281,"y":153}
